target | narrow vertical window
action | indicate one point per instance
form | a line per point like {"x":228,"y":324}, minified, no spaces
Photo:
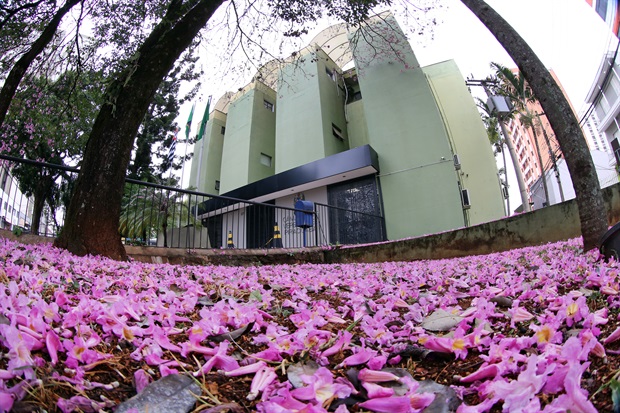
{"x":265,"y":159}
{"x":337,"y":132}
{"x":268,"y":105}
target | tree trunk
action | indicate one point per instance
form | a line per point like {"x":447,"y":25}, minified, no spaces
{"x":21,"y":66}
{"x":40,"y":193}
{"x":592,"y":213}
{"x":164,"y":228}
{"x":525,"y":199}
{"x":92,"y":221}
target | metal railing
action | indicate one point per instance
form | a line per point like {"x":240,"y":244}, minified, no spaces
{"x":163,"y":216}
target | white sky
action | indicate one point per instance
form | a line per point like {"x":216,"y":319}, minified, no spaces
{"x":567,"y":35}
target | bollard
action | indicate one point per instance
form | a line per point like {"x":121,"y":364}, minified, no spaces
{"x":277,"y":237}
{"x":229,"y":242}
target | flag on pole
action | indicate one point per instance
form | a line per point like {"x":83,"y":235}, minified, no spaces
{"x":205,"y":119}
{"x":189,"y":122}
{"x":173,"y":147}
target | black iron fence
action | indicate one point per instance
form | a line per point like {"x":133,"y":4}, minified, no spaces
{"x":164,"y":216}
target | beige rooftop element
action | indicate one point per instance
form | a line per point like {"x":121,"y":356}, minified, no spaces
{"x":334,"y":41}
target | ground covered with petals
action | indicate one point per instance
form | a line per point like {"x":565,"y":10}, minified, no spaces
{"x":527,"y":330}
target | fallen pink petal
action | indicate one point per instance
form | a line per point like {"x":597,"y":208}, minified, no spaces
{"x":537,"y":331}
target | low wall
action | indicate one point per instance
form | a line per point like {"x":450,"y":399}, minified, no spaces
{"x":236,"y":257}
{"x":25,"y":238}
{"x":554,"y":223}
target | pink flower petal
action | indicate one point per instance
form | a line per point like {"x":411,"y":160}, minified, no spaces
{"x":388,"y":404}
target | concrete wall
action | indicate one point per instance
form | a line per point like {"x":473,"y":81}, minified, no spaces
{"x":356,"y":124}
{"x":211,"y":146}
{"x":263,"y":138}
{"x":469,"y":140}
{"x":405,"y":127}
{"x":309,"y":101}
{"x":250,"y":130}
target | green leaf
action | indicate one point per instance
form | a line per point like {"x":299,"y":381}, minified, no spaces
{"x":615,"y":394}
{"x":256,"y":296}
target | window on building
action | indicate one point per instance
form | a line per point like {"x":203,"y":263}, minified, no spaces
{"x":615,"y":146}
{"x":223,"y":130}
{"x":268,"y":105}
{"x":613,"y":88}
{"x":337,"y":132}
{"x":602,"y":108}
{"x":601,"y":8}
{"x":217,"y":185}
{"x":265,"y":159}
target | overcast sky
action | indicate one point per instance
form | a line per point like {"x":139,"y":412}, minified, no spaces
{"x":567,"y":35}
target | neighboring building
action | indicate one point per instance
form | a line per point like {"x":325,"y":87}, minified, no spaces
{"x":604,"y":98}
{"x":601,"y":121}
{"x":596,"y":140}
{"x":527,"y":144}
{"x":15,"y":208}
{"x":562,"y":189}
{"x":385,"y":137}
{"x":609,"y":12}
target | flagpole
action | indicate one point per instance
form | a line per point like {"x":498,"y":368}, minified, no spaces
{"x":187,"y":130}
{"x":201,"y":134}
{"x":171,"y":153}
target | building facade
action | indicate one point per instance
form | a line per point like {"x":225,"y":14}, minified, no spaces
{"x":560,"y":184}
{"x":530,"y":143}
{"x":15,"y":207}
{"x":604,"y":98}
{"x":609,"y":11}
{"x":383,"y":136}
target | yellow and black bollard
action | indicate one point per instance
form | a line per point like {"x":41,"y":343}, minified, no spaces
{"x":276,"y":242}
{"x":230,"y":243}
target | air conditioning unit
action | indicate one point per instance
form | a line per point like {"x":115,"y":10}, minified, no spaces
{"x":465,"y":198}
{"x":457,"y":162}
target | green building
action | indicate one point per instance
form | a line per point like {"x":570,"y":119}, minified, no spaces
{"x":382,"y":136}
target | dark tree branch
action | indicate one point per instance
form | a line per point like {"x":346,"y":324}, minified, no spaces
{"x":12,"y":12}
{"x":21,"y":66}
